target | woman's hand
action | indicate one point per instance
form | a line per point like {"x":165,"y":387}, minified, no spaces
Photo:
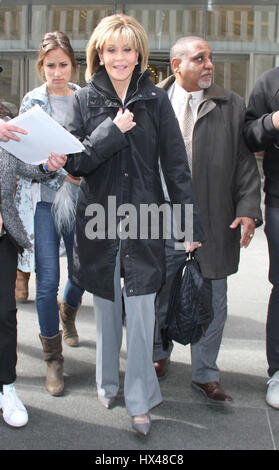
{"x":7,"y":131}
{"x":55,"y":162}
{"x":190,"y":247}
{"x":124,"y":120}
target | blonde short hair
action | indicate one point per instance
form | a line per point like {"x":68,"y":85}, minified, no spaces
{"x":112,"y":27}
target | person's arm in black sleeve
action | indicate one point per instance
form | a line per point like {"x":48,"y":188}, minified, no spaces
{"x":259,"y":130}
{"x":101,"y":144}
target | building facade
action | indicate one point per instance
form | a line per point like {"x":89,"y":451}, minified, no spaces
{"x":244,"y":36}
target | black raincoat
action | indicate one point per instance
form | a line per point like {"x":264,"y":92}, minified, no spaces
{"x":123,"y":168}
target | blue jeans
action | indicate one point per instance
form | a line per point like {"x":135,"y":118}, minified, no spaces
{"x":47,"y":243}
{"x":272,"y":324}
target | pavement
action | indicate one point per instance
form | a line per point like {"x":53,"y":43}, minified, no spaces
{"x":185,"y":420}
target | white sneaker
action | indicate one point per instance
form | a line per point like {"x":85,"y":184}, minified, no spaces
{"x":272,"y":395}
{"x":14,"y":412}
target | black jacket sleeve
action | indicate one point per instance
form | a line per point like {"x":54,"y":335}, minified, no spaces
{"x":259,"y":131}
{"x":101,"y":144}
{"x":247,"y":184}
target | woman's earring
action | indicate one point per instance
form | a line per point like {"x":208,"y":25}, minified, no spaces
{"x":101,"y":63}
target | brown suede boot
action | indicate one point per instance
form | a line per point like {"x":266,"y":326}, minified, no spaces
{"x":52,"y":348}
{"x":21,"y":288}
{"x":67,"y":316}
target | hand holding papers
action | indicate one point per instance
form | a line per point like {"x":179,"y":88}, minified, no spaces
{"x":55,"y":162}
{"x":45,"y":136}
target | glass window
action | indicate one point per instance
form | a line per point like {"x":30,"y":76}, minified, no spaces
{"x":33,"y":79}
{"x":262,"y":63}
{"x":159,"y":69}
{"x":165,"y":24}
{"x":81,"y":72}
{"x":241,"y":23}
{"x":13,"y":27}
{"x":77,"y":21}
{"x":10,"y":83}
{"x":232,"y":74}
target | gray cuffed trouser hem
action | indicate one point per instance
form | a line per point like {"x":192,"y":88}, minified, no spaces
{"x":141,"y":387}
{"x":205,"y":352}
{"x":141,"y":411}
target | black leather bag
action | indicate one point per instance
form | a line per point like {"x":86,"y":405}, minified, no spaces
{"x":190,"y":305}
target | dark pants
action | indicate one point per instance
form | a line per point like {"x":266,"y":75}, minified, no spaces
{"x":272,"y":324}
{"x":8,"y":322}
{"x":204,"y":353}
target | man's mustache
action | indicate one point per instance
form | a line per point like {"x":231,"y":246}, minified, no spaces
{"x":206,"y":74}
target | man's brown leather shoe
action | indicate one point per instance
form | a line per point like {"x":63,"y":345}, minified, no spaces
{"x":161,"y":368}
{"x":213,"y":391}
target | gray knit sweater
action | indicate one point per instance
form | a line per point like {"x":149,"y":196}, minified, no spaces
{"x":10,"y":167}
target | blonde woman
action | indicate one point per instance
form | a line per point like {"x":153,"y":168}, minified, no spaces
{"x":125,"y":123}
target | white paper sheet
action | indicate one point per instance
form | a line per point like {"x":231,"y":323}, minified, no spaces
{"x":44,"y":136}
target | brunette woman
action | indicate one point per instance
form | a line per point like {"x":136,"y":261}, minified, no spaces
{"x":48,"y":212}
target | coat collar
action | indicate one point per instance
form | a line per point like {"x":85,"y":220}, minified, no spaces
{"x":214,"y":92}
{"x":102,"y":84}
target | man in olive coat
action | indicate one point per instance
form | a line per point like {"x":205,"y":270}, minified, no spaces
{"x":226,"y":186}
